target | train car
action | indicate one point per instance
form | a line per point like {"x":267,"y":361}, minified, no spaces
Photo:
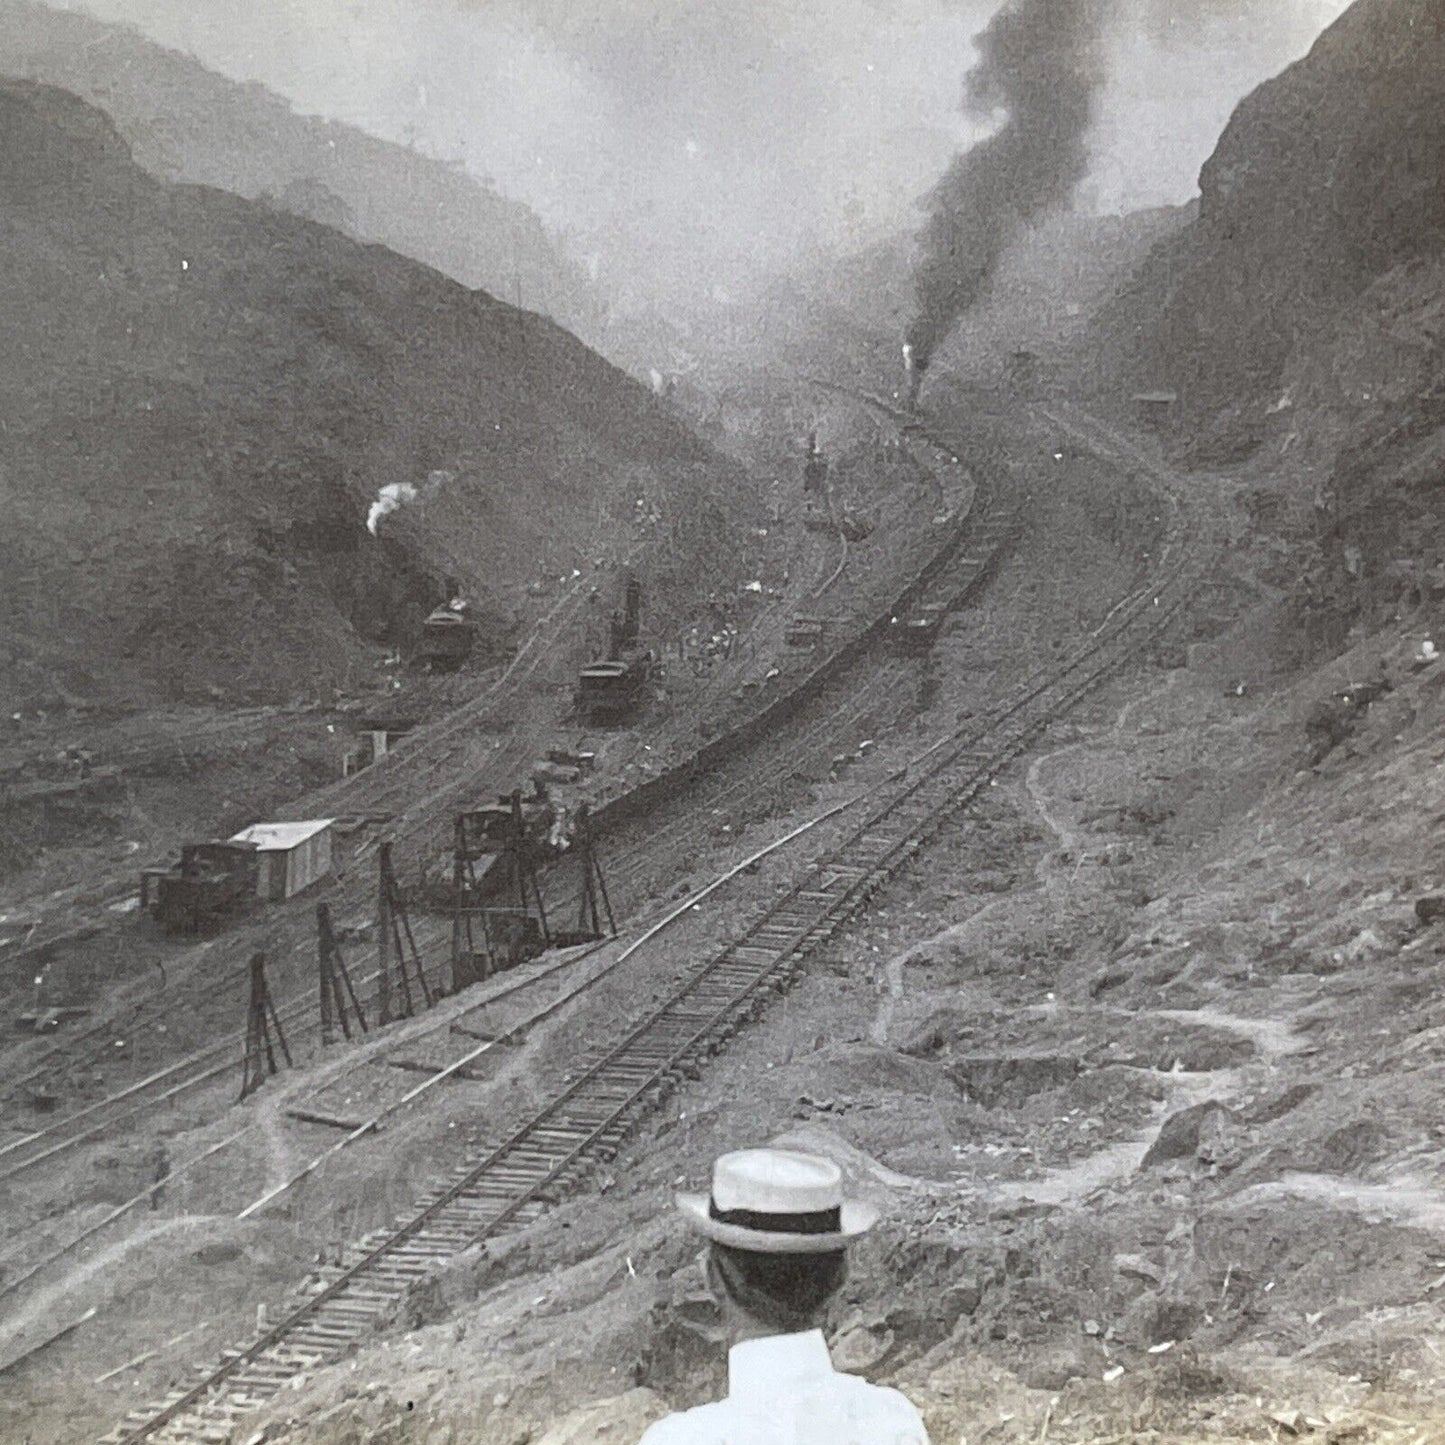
{"x":612,"y":687}
{"x":447,"y":637}
{"x":514,"y":820}
{"x":918,"y":630}
{"x":212,"y":880}
{"x":497,"y":850}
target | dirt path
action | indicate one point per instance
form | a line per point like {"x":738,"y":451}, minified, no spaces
{"x":1068,"y":839}
{"x":1406,"y":1199}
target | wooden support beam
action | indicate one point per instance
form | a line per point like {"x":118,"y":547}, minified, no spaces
{"x":263,"y":1032}
{"x":415,"y":1066}
{"x":306,"y":1117}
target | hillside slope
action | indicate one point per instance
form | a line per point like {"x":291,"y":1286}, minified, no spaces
{"x":203,"y":397}
{"x":1326,"y":178}
{"x":187,"y":123}
{"x":1050,"y":286}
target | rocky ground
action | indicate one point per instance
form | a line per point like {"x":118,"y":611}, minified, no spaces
{"x":274,"y":1146}
{"x":125,"y":970}
{"x":1138,"y":1060}
{"x":159,"y":777}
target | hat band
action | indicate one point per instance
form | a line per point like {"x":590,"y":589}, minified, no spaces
{"x":815,"y":1221}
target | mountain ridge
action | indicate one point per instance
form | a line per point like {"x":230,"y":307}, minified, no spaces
{"x":204,"y":395}
{"x":188,"y":123}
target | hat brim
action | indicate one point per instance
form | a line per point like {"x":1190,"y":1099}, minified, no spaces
{"x":856,"y":1219}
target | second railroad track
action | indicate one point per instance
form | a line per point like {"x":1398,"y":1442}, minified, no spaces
{"x":512,"y":1179}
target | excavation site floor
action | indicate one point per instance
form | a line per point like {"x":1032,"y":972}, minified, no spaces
{"x":1138,"y":1057}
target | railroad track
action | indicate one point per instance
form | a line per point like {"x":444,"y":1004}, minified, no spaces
{"x":514,"y":1179}
{"x":385,"y":785}
{"x":840,"y":707}
{"x":988,"y":530}
{"x":202,"y":1066}
{"x":837,"y":711}
{"x":392,"y":783}
{"x":300,"y":1018}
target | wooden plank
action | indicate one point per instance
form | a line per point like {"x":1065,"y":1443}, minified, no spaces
{"x":306,"y":1117}
{"x":415,"y":1066}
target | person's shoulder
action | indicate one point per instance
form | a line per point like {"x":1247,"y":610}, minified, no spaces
{"x":891,"y":1415}
{"x":699,"y":1426}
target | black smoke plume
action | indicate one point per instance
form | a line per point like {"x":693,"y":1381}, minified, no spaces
{"x":1038,"y":64}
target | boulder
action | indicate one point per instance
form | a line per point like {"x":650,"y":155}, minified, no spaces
{"x":619,"y":1420}
{"x":1430,"y":909}
{"x":1189,"y":1134}
{"x":1138,"y":1266}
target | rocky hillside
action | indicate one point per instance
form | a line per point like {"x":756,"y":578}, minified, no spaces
{"x":1326,"y":179}
{"x":186,"y":123}
{"x":842,"y":318}
{"x":1050,"y":286}
{"x":203,"y":396}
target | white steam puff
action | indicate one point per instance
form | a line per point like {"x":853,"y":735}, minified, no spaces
{"x":388,"y":499}
{"x":393,"y":494}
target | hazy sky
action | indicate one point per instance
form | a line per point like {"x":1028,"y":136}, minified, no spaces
{"x":679,"y":140}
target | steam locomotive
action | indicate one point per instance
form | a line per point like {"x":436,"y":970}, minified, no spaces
{"x":609,"y":688}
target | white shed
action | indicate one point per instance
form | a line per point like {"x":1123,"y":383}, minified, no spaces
{"x":293,"y":855}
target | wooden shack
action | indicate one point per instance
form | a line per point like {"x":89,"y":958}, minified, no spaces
{"x":293,"y":856}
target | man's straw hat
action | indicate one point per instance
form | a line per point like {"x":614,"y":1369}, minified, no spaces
{"x":777,"y":1201}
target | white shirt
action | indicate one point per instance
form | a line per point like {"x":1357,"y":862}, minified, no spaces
{"x":783,"y":1390}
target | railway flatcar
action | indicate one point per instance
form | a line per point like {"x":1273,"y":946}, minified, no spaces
{"x":918,"y":630}
{"x":211,"y":881}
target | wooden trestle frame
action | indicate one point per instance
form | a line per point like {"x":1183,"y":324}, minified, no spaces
{"x":487,"y":938}
{"x":259,"y":1060}
{"x":339,"y":1003}
{"x":395,"y":944}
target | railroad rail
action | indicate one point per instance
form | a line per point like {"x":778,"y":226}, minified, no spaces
{"x":962,"y":573}
{"x":979,"y":522}
{"x":514,"y":1179}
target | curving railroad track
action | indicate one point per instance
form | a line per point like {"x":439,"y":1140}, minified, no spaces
{"x":844,"y":702}
{"x":514,"y":1178}
{"x":830,"y":720}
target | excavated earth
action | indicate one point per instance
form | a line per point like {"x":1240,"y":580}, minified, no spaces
{"x":182,"y":1252}
{"x":1139,"y":1060}
{"x":1142,"y":1059}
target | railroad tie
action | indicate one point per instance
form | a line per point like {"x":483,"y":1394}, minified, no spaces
{"x":752,"y":954}
{"x":532,"y":1159}
{"x":448,"y":1234}
{"x":382,"y":1299}
{"x":503,"y":1186}
{"x":208,"y":1434}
